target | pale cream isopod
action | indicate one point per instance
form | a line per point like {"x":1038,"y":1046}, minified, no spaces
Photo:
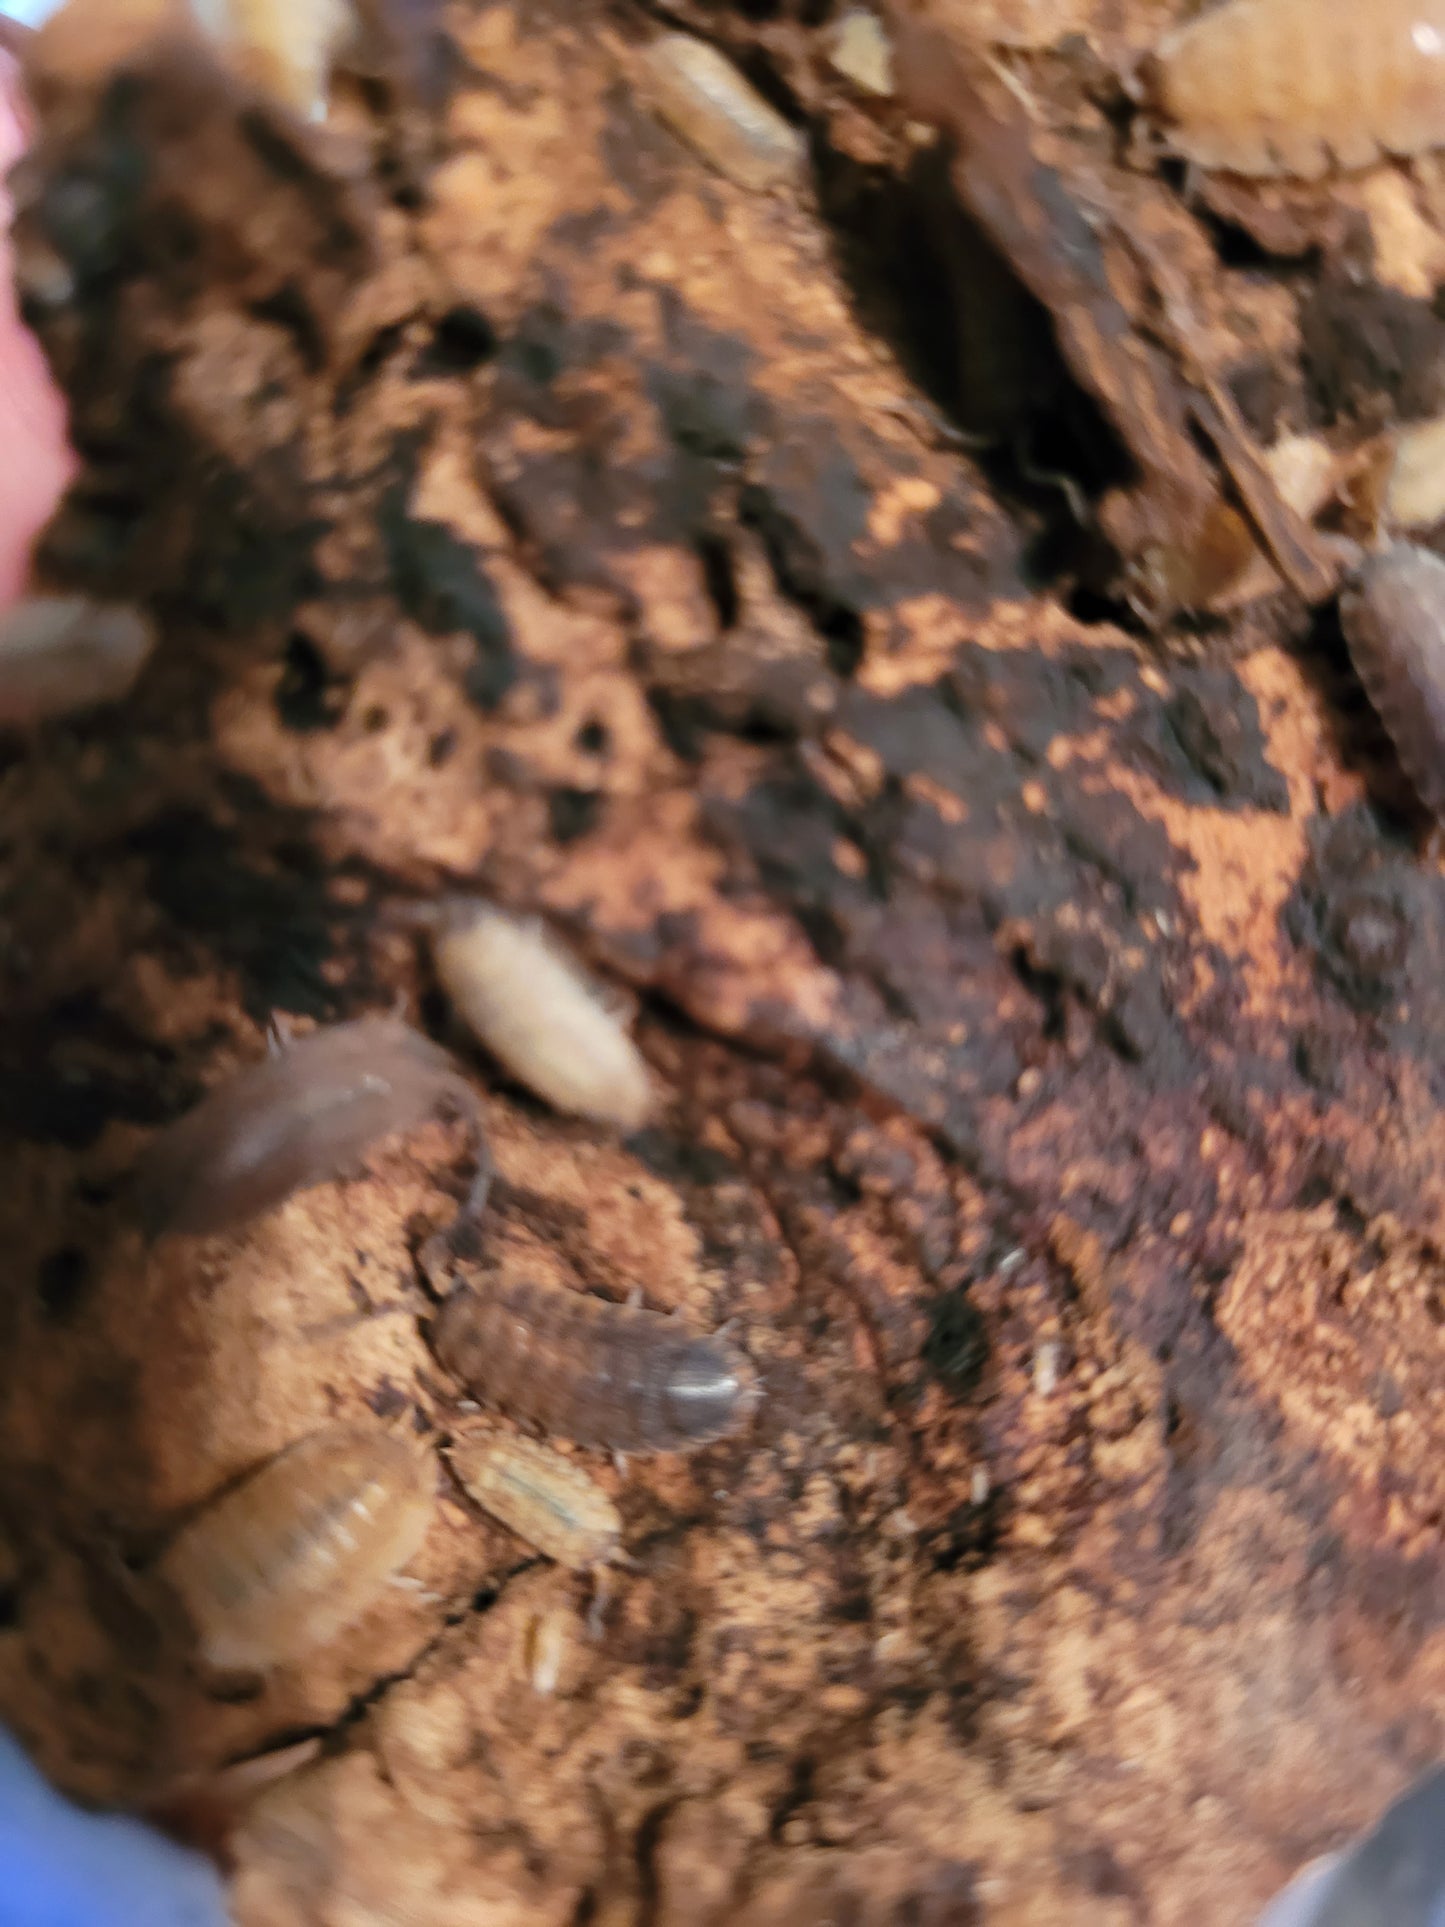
{"x":703,"y":97}
{"x":540,"y":1016}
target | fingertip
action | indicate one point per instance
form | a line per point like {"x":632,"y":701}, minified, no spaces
{"x":38,"y":461}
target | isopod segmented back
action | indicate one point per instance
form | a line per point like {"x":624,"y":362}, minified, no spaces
{"x":552,"y":1503}
{"x":1302,"y":86}
{"x":303,"y":1115}
{"x":1393,"y":617}
{"x":598,"y":1373}
{"x":289,"y":1558}
{"x":702,"y":96}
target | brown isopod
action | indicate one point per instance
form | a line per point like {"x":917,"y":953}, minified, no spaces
{"x":1298,"y":87}
{"x":601,"y":1374}
{"x":305,"y":1114}
{"x":64,"y":653}
{"x":299,"y":1550}
{"x":1393,"y":617}
{"x":552,"y":1503}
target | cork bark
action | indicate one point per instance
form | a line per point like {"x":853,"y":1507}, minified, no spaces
{"x":1046,"y":985}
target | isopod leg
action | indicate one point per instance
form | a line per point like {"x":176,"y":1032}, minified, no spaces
{"x":601,"y":1600}
{"x":474,"y":1205}
{"x":1053,"y":478}
{"x":434,"y":1263}
{"x":462,"y":1234}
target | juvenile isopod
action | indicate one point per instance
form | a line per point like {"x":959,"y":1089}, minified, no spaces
{"x":298,"y":1551}
{"x":703,"y":97}
{"x":540,"y":1016}
{"x":553,"y":1504}
{"x":306,"y":1113}
{"x":1302,"y":86}
{"x":1393,"y":617}
{"x":598,"y":1373}
{"x":545,"y":1647}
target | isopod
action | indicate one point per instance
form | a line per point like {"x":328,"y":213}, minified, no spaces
{"x":544,"y":1650}
{"x":1393,"y":617}
{"x":63,"y":653}
{"x":204,"y":1809}
{"x":1300,"y":87}
{"x":290,"y":49}
{"x":859,"y":49}
{"x":540,"y":1016}
{"x":304,"y":1114}
{"x":703,"y":97}
{"x":545,"y":1499}
{"x":1412,"y":493}
{"x":286,"y":47}
{"x":298,"y":1551}
{"x":598,"y":1373}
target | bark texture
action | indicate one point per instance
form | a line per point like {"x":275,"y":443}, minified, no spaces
{"x":1049,"y":1011}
